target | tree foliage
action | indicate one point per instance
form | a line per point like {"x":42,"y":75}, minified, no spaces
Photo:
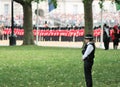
{"x":117,"y":4}
{"x":117,"y":1}
{"x":101,"y":3}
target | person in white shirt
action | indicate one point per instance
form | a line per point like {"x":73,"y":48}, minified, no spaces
{"x":88,"y":58}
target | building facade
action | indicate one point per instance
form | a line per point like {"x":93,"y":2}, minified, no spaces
{"x":65,"y":7}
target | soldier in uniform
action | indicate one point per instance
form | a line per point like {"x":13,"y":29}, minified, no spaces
{"x":88,"y":58}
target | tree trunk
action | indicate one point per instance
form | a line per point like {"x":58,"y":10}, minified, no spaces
{"x":28,"y":27}
{"x":88,"y":16}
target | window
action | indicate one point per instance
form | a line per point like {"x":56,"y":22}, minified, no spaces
{"x":75,"y":9}
{"x":6,"y":9}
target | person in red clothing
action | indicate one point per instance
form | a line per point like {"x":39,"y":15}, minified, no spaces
{"x":115,"y":37}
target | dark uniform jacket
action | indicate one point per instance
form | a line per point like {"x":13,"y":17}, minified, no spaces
{"x":91,"y":56}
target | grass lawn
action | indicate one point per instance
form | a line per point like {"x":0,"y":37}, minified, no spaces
{"x":35,"y":66}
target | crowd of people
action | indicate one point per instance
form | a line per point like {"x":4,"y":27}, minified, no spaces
{"x":110,"y":18}
{"x":72,"y":31}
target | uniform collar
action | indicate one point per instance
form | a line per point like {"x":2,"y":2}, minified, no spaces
{"x":89,"y":43}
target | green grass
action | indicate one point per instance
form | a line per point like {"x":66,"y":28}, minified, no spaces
{"x":34,"y":66}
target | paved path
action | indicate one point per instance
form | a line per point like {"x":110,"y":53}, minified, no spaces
{"x":57,"y":44}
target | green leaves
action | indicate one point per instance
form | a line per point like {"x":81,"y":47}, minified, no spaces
{"x":117,"y":1}
{"x":38,"y":0}
{"x":54,"y":3}
{"x":118,"y":6}
{"x":101,"y":3}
